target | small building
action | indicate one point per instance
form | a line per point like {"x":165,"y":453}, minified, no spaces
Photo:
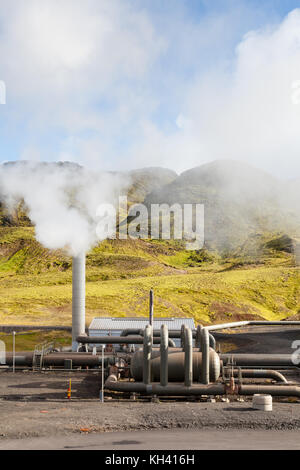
{"x":113,"y":326}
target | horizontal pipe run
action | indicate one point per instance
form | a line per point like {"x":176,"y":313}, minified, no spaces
{"x":274,"y":390}
{"x":118,"y":340}
{"x":259,"y":374}
{"x":58,"y":359}
{"x":157,"y":389}
{"x":210,"y":389}
{"x":176,"y":334}
{"x":259,"y":360}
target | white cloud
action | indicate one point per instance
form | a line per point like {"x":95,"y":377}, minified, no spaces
{"x":111,"y":83}
{"x":245,"y":112}
{"x":65,"y":62}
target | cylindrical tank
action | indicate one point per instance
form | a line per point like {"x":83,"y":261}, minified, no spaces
{"x":78,"y":299}
{"x":175,"y":366}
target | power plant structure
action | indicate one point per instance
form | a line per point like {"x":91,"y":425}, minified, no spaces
{"x":164,"y":357}
{"x":78,"y":299}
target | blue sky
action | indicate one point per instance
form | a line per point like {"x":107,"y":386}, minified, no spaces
{"x":123,"y":84}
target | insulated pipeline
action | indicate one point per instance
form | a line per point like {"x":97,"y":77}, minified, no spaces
{"x":188,"y":357}
{"x":205,"y":355}
{"x":211,"y":389}
{"x":118,"y":340}
{"x":259,"y":374}
{"x":157,"y":389}
{"x":138,"y":331}
{"x":164,"y":353}
{"x":147,"y":350}
{"x":274,"y":390}
{"x":259,"y":360}
{"x":58,"y":359}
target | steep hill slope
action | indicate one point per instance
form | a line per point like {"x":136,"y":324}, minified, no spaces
{"x":239,"y":201}
{"x":146,"y":180}
{"x":257,"y":278}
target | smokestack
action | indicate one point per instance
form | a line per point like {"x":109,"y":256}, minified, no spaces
{"x":78,"y":299}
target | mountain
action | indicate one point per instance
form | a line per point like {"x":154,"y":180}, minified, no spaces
{"x":259,"y":278}
{"x":146,"y":180}
{"x":239,"y":201}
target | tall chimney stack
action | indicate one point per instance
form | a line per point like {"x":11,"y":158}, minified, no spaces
{"x":78,"y":299}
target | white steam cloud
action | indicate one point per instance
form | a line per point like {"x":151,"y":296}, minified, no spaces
{"x":246,"y":108}
{"x":62,"y":201}
{"x":119,"y":84}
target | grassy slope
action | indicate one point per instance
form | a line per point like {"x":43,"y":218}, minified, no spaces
{"x":35,"y":284}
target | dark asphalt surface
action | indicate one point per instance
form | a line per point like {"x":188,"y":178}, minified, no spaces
{"x":261,"y":340}
{"x":210,"y":439}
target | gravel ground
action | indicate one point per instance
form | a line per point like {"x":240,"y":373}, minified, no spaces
{"x":35,"y":404}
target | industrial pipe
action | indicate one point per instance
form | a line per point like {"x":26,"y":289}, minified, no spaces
{"x":147,"y":354}
{"x":157,"y":389}
{"x":205,"y":355}
{"x":182,"y":336}
{"x":198,"y":336}
{"x":257,"y":360}
{"x":210,"y":389}
{"x":259,"y":374}
{"x":118,"y":340}
{"x":274,"y":390}
{"x":138,"y":331}
{"x":164,"y":353}
{"x":188,"y":357}
{"x":57,"y":359}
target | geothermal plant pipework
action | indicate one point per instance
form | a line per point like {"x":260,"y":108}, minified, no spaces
{"x":207,"y":359}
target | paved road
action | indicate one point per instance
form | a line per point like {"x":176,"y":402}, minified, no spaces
{"x":157,"y":440}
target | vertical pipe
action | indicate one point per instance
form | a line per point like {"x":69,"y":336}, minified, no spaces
{"x":164,"y":351}
{"x":205,"y":356}
{"x":151,"y":298}
{"x":198,"y":336}
{"x":147,"y":355}
{"x":78,"y":299}
{"x":102,"y":375}
{"x":182,"y":335}
{"x":188,"y":357}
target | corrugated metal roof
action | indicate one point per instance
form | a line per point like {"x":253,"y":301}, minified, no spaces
{"x":107,"y":323}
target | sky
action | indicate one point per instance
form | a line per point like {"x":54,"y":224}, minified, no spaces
{"x":123,"y":84}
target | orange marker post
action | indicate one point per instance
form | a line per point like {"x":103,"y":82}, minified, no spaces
{"x":69,"y":391}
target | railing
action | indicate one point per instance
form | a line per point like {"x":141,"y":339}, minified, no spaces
{"x":40,"y":351}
